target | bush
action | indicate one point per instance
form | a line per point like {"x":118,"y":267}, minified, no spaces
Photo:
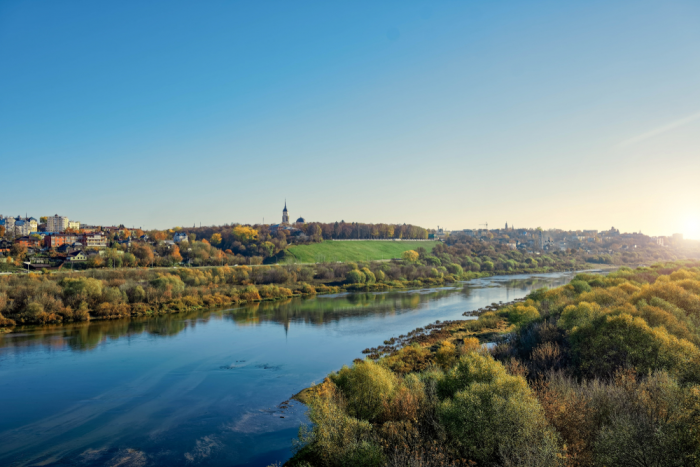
{"x":492,"y":417}
{"x":580,"y":286}
{"x":356,"y":277}
{"x":367,"y":387}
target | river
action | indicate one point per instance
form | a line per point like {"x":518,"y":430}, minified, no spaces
{"x":202,"y":388}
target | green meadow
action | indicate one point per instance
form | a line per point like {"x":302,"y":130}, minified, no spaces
{"x":329,"y":251}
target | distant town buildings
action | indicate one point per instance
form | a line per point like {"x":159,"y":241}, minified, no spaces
{"x":56,"y":223}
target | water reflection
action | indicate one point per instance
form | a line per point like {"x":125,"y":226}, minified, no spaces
{"x":314,"y":311}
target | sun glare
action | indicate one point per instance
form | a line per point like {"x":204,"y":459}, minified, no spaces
{"x":692,"y":229}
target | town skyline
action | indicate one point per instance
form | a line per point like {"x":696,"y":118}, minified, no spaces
{"x":75,"y":225}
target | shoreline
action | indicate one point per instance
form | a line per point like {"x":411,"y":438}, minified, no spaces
{"x":330,"y":290}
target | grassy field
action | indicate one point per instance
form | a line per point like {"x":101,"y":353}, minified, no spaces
{"x":351,"y":251}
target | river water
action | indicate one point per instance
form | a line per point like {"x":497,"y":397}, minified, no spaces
{"x":202,"y":388}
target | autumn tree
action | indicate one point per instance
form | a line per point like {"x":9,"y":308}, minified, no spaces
{"x":143,"y":253}
{"x":215,"y":239}
{"x":411,"y":256}
{"x":175,"y":254}
{"x":244,"y":234}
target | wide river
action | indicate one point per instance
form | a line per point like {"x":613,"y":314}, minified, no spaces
{"x":202,"y":388}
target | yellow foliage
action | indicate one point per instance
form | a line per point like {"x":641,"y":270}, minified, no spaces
{"x":446,"y":354}
{"x":244,"y":234}
{"x":410,"y":256}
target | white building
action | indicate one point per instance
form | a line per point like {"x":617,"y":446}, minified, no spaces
{"x":9,"y":224}
{"x":74,"y":225}
{"x":25,"y":226}
{"x":56,"y":223}
{"x":95,"y":240}
{"x":180,"y":237}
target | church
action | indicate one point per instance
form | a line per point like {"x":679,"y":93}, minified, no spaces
{"x":285,"y":217}
{"x":285,"y":224}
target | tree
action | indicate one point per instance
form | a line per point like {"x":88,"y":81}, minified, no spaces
{"x":175,"y":254}
{"x":411,"y":256}
{"x":244,"y":234}
{"x":95,"y":261}
{"x":144,"y":254}
{"x":43,"y":219}
{"x":2,"y":231}
{"x":215,"y":239}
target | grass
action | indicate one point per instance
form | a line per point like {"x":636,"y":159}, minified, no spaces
{"x":351,"y":251}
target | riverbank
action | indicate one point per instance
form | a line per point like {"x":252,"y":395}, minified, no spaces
{"x":564,"y":363}
{"x":211,"y":377}
{"x":38,"y":299}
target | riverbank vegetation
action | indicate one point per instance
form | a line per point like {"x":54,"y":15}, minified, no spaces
{"x":603,"y":371}
{"x":117,"y":293}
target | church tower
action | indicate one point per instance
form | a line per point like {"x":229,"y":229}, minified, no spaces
{"x":285,"y":215}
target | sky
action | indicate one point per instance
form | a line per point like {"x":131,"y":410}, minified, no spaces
{"x":572,"y":115}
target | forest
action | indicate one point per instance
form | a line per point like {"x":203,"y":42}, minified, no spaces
{"x":604,"y":371}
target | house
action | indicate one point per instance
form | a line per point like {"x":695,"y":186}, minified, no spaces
{"x":5,"y":245}
{"x":40,"y":261}
{"x":94,"y":240}
{"x":70,"y":248}
{"x":180,"y":237}
{"x":74,"y":225}
{"x":126,"y":243}
{"x":28,"y":241}
{"x":76,"y":256}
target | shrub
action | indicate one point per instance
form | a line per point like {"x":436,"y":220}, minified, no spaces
{"x":367,"y":387}
{"x":492,"y":417}
{"x":356,"y":277}
{"x":580,"y":286}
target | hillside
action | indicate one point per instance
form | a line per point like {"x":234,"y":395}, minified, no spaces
{"x":329,"y":251}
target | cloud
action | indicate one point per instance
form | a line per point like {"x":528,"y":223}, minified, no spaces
{"x":660,"y":130}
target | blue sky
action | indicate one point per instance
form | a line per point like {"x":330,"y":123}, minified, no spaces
{"x":158,"y":114}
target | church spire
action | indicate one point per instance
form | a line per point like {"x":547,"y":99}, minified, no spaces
{"x":285,"y":214}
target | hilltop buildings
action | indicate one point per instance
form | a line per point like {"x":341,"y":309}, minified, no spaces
{"x":57,"y":223}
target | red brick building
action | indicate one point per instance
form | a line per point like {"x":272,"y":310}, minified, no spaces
{"x":54,"y":241}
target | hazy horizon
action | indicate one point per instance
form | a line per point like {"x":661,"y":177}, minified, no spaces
{"x":162,"y":114}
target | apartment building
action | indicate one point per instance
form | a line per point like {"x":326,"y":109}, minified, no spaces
{"x":56,"y":223}
{"x":94,"y":240}
{"x":56,"y":240}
